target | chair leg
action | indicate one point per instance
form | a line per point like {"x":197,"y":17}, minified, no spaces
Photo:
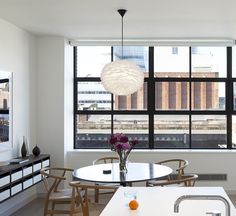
{"x":46,"y":208}
{"x":72,"y":208}
{"x":85,"y":208}
{"x":96,"y":195}
{"x":53,"y":207}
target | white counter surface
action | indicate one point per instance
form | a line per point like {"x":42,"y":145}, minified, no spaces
{"x":159,"y":201}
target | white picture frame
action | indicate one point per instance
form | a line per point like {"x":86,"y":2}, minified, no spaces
{"x":6,"y":108}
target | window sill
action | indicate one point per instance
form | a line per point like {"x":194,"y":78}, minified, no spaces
{"x":192,"y":151}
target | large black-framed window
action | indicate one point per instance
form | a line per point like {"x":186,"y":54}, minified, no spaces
{"x":187,"y":100}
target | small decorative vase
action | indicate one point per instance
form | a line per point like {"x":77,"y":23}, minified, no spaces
{"x":23,"y":148}
{"x":123,"y":163}
{"x":36,"y":151}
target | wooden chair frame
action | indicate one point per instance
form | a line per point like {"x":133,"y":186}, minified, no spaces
{"x":78,"y":199}
{"x":182,"y":164}
{"x":54,"y":194}
{"x":106,"y":160}
{"x":103,"y":160}
{"x":186,"y":181}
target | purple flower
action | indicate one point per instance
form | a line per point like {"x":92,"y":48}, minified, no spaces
{"x":119,"y":146}
{"x":134,"y":142}
{"x":124,"y":139}
{"x":122,"y":146}
{"x":118,"y":136}
{"x":120,"y":143}
{"x":112,"y":140}
{"x":126,"y":146}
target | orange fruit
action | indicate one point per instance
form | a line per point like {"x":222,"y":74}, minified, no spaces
{"x":133,"y":204}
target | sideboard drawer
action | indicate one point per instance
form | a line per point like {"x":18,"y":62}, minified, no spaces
{"x":27,"y":171}
{"x":17,"y":175}
{"x":4,"y":180}
{"x":37,"y":178}
{"x":45,"y":163}
{"x":27,"y":183}
{"x":4,"y":194}
{"x":16,"y":189}
{"x":36,"y":167}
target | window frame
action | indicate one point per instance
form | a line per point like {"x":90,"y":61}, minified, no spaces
{"x":151,"y":110}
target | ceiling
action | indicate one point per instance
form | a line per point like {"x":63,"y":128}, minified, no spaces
{"x":94,"y":19}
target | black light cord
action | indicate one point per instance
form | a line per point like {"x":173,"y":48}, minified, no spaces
{"x":122,"y":13}
{"x":122,"y":37}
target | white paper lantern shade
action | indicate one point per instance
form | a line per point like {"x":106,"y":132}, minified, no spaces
{"x":122,"y":77}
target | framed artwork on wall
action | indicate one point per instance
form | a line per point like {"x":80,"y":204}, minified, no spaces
{"x":5,"y":110}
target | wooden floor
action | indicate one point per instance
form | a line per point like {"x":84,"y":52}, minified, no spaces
{"x":35,"y":208}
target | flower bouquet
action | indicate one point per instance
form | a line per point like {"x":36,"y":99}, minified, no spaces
{"x":120,"y":143}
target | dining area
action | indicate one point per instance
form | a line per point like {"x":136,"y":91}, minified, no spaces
{"x":118,"y":184}
{"x":161,"y":188}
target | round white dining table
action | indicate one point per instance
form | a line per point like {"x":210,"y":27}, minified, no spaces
{"x":110,"y":173}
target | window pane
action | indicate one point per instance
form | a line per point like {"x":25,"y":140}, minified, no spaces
{"x":171,"y":131}
{"x":93,"y":96}
{"x":134,"y":126}
{"x":91,"y":60}
{"x":4,"y":96}
{"x":172,"y":96}
{"x":137,"y":54}
{"x":208,"y":96}
{"x":234,"y":61}
{"x":135,"y":101}
{"x":4,"y":127}
{"x":234,"y":102}
{"x":208,"y":62}
{"x":92,"y":131}
{"x":171,"y":61}
{"x":209,"y":131}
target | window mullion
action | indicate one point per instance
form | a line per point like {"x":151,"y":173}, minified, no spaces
{"x":229,"y":97}
{"x":190,"y":97}
{"x":151,"y":97}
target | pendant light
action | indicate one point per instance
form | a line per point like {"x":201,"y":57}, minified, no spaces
{"x":122,"y":77}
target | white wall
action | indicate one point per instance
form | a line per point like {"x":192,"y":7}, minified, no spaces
{"x":68,"y":105}
{"x":17,"y":55}
{"x":200,"y":162}
{"x":50,"y":97}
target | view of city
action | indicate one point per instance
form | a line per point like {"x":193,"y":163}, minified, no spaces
{"x":172,"y":93}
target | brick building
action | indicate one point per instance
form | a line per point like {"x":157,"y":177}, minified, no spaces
{"x":175,"y":95}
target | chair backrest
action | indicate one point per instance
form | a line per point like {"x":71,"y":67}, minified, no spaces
{"x":57,"y":174}
{"x":178,"y":165}
{"x":106,"y":160}
{"x":80,"y":195}
{"x":186,"y":181}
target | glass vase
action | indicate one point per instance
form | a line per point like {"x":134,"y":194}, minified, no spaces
{"x":123,"y":159}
